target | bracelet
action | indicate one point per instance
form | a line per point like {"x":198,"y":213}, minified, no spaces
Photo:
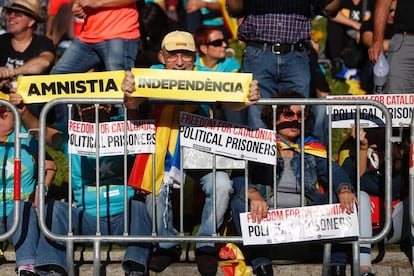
{"x":345,"y":189}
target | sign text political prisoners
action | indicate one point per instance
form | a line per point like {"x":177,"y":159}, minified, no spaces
{"x":227,"y":139}
{"x":400,"y":106}
{"x":139,"y":137}
{"x":320,"y":222}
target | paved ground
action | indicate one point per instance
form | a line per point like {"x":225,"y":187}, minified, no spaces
{"x":395,"y":263}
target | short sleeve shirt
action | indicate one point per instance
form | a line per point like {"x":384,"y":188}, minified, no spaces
{"x":10,"y":58}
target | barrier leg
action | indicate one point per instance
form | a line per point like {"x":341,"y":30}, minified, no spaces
{"x":355,"y":258}
{"x":69,"y":258}
{"x":326,"y":259}
{"x":96,"y":258}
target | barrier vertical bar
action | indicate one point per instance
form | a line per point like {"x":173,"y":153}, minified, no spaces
{"x":411,"y":171}
{"x":70,"y":247}
{"x":411,"y":183}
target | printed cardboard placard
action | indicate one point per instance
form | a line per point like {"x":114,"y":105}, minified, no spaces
{"x":140,"y":137}
{"x":319,"y":222}
{"x":44,"y":88}
{"x":191,"y":85}
{"x":400,"y":106}
{"x":224,"y":138}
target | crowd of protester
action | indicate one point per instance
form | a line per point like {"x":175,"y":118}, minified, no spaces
{"x":63,"y":37}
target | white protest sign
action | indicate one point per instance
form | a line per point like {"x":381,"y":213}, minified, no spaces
{"x":227,"y":139}
{"x":319,"y":222}
{"x":400,"y":106}
{"x":140,"y":137}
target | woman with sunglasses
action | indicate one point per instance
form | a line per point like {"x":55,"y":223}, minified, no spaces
{"x":211,"y":50}
{"x":211,"y":56}
{"x":288,"y":126}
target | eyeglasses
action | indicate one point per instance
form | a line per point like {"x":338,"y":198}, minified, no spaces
{"x":392,"y":9}
{"x":187,"y":57}
{"x":216,"y":43}
{"x":289,"y":114}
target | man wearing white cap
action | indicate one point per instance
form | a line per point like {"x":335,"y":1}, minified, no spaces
{"x":178,"y":53}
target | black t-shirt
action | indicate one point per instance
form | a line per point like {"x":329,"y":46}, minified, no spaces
{"x":404,"y":20}
{"x":349,"y":10}
{"x":11,"y":58}
{"x":368,"y":26}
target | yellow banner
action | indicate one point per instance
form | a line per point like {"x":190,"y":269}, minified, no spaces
{"x":192,"y":85}
{"x":43,"y":88}
{"x":4,"y":96}
{"x":150,"y":83}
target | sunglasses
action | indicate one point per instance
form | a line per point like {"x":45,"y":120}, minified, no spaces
{"x":289,"y":114}
{"x":216,"y":43}
{"x":16,"y":13}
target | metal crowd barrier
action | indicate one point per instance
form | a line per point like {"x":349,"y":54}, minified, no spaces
{"x":17,"y":171}
{"x":213,"y":163}
{"x":411,"y":181}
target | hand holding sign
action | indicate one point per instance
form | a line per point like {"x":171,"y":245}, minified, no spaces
{"x":258,"y":206}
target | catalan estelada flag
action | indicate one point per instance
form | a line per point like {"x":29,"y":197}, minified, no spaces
{"x":167,"y":153}
{"x":311,"y":146}
{"x":230,"y":23}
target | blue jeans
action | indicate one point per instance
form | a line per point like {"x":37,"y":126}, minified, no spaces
{"x":53,"y":252}
{"x":261,"y":255}
{"x":114,"y":54}
{"x":26,"y":237}
{"x":275,"y":73}
{"x":164,"y":215}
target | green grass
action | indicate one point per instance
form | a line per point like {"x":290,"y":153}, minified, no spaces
{"x":62,"y":164}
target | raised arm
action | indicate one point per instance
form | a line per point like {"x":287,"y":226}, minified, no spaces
{"x":93,"y":4}
{"x":80,"y":7}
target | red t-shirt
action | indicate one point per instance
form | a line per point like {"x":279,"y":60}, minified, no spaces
{"x":105,"y":24}
{"x":54,"y":6}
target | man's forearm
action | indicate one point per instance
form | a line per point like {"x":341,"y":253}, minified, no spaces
{"x":37,"y":65}
{"x":380,"y":16}
{"x":107,"y":3}
{"x":332,"y":7}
